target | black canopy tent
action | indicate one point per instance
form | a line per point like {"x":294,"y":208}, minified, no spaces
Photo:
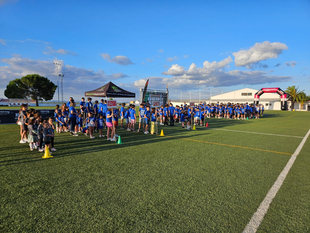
{"x":110,"y":90}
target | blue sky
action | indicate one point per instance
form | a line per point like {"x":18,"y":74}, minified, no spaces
{"x":197,"y":46}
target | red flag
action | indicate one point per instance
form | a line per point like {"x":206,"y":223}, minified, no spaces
{"x":144,"y":91}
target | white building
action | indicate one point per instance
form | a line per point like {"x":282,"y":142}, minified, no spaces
{"x":271,"y":101}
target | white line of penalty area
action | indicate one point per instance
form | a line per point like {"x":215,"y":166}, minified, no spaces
{"x":271,"y":134}
{"x":259,"y":215}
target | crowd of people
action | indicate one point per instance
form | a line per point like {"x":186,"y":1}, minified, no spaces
{"x":89,"y":117}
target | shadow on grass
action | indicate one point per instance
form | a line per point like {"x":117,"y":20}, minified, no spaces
{"x":70,"y":146}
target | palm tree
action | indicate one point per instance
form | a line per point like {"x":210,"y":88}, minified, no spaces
{"x":303,"y":98}
{"x":293,"y":95}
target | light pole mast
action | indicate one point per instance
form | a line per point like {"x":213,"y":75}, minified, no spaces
{"x":57,"y":64}
{"x":61,"y":87}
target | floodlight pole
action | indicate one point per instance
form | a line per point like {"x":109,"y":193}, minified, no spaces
{"x":57,"y":64}
{"x":62,"y":89}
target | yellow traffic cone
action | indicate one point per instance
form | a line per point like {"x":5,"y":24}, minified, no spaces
{"x":194,"y":127}
{"x":47,"y":153}
{"x":162,"y":133}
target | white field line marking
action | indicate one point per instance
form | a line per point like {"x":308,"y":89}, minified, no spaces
{"x":258,"y":216}
{"x":280,"y":135}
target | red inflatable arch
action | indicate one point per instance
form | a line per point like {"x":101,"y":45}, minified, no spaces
{"x":272,"y":90}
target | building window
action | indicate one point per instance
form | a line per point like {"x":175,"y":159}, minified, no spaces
{"x":266,"y":104}
{"x":246,"y":94}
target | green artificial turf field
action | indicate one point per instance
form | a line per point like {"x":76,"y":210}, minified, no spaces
{"x":205,"y":180}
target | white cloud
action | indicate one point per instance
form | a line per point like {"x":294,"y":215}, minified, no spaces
{"x":121,"y":60}
{"x":172,"y":58}
{"x":185,"y":56}
{"x":149,"y":60}
{"x":66,"y":52}
{"x":2,"y":42}
{"x":259,"y":52}
{"x":37,"y":41}
{"x":161,"y":51}
{"x":207,"y":68}
{"x":76,"y":79}
{"x":175,"y":70}
{"x":292,"y":63}
{"x":59,"y":51}
{"x":211,"y":74}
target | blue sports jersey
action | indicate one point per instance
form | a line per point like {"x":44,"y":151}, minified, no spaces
{"x":104,"y":109}
{"x":109,"y":119}
{"x":89,"y":105}
{"x":61,"y":120}
{"x":153,"y":117}
{"x":92,"y":120}
{"x":189,"y":112}
{"x":82,"y":103}
{"x":182,"y":117}
{"x":122,"y":111}
{"x":100,"y":123}
{"x":56,"y":113}
{"x":115,"y":114}
{"x":127,"y":113}
{"x":171,"y":110}
{"x":100,"y":108}
{"x":142,"y":111}
{"x":202,"y":115}
{"x":132,"y":114}
{"x":197,"y":114}
{"x":70,"y":110}
{"x":96,"y":108}
{"x":147,"y":114}
{"x":80,"y":121}
{"x":65,"y":114}
{"x":165,"y":111}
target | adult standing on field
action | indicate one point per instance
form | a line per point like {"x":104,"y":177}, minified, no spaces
{"x":89,"y":105}
{"x":82,"y":107}
{"x":171,"y":114}
{"x":71,"y":100}
{"x":104,"y":109}
{"x":72,"y":116}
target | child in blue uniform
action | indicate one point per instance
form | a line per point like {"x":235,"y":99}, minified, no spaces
{"x":100,"y":125}
{"x":109,"y":116}
{"x":202,"y":116}
{"x":122,"y":114}
{"x":147,"y":116}
{"x":133,"y":118}
{"x":115,"y":120}
{"x":153,"y":116}
{"x":91,"y":120}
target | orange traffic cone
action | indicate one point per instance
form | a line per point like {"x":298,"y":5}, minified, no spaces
{"x":207,"y":125}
